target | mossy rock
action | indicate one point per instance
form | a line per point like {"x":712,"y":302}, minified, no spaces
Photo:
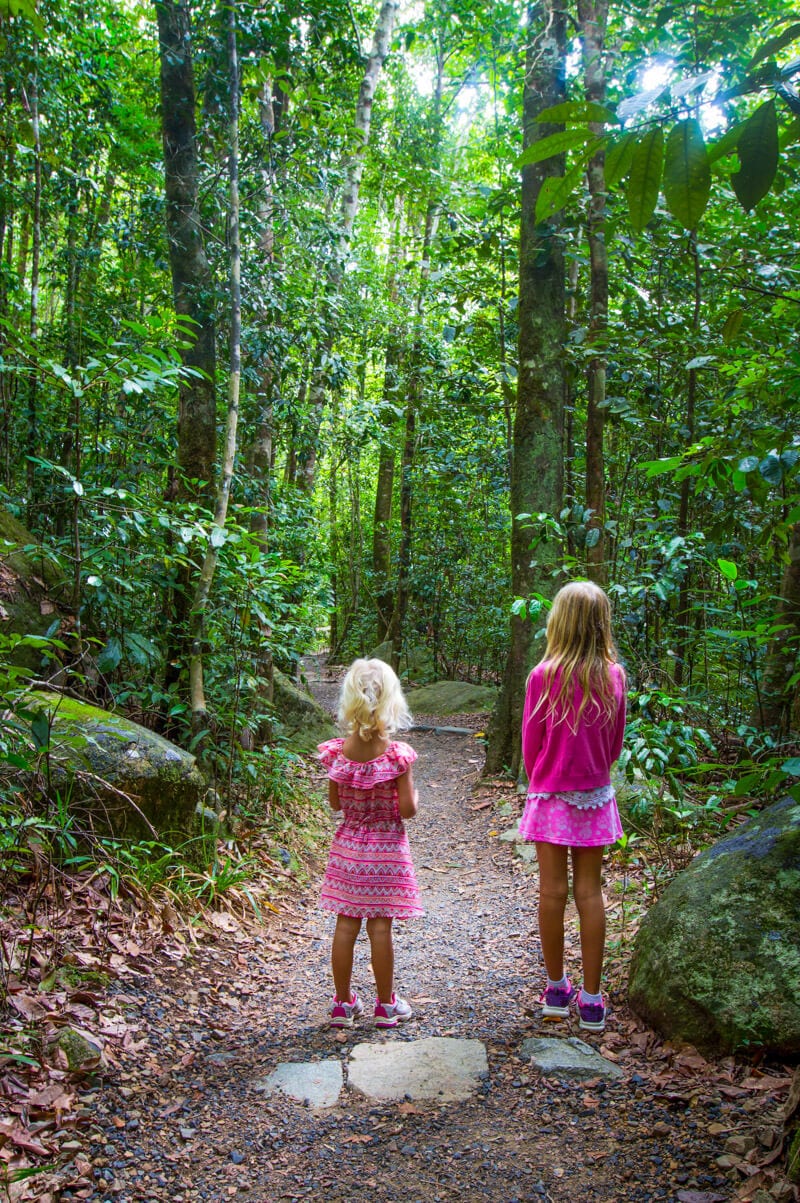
{"x":716,"y":960}
{"x":119,"y":778}
{"x":302,"y":721}
{"x":452,"y":697}
{"x":416,"y":661}
{"x":33,"y":589}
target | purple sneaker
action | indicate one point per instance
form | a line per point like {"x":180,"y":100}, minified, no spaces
{"x":556,"y":999}
{"x":592,"y":1015}
{"x":342,"y":1014}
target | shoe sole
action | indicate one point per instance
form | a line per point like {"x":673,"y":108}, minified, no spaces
{"x":600,"y":1026}
{"x":555,"y":1012}
{"x":340,"y":1023}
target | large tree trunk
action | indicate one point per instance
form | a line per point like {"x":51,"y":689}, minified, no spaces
{"x":381,"y":44}
{"x":537,"y":475}
{"x":192,"y":284}
{"x":777,"y":691}
{"x":593,"y":16}
{"x":203,"y":589}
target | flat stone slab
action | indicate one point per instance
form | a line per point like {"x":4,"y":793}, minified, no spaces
{"x":441,"y":1068}
{"x":570,"y":1058}
{"x":316,"y":1083}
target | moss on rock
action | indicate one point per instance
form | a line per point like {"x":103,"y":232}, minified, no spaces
{"x":302,"y":721}
{"x":129,"y":781}
{"x":717,"y":958}
{"x":452,"y":697}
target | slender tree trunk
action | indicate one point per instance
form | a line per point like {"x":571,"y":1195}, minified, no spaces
{"x":192,"y":283}
{"x":778,"y":690}
{"x":537,"y":477}
{"x":684,"y":604}
{"x":32,"y":432}
{"x":381,"y":45}
{"x":202,"y":592}
{"x":593,"y":16}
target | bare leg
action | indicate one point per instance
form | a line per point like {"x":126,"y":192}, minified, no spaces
{"x":379,"y":931}
{"x":587,"y":864}
{"x":344,"y":942}
{"x":553,"y":888}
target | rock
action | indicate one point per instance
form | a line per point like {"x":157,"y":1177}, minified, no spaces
{"x":416,"y":662}
{"x":452,"y":697}
{"x":131,"y":781}
{"x":716,"y":960}
{"x":316,"y":1083}
{"x":440,"y":1067}
{"x":80,"y":1053}
{"x":34,"y":592}
{"x":302,"y":720}
{"x":570,"y":1058}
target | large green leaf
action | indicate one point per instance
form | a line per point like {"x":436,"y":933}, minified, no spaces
{"x":618,"y":158}
{"x":758,"y":154}
{"x":645,"y":178}
{"x":725,"y":145}
{"x":556,"y":191}
{"x":554,"y":144}
{"x":774,"y":45}
{"x":687,"y":177}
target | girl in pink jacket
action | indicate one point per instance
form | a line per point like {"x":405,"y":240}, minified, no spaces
{"x":572,"y":729}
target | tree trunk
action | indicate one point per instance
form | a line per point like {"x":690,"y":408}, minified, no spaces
{"x":682,"y":673}
{"x":537,"y":476}
{"x":778,"y":690}
{"x":196,"y":687}
{"x":32,"y":431}
{"x":593,"y":16}
{"x":381,"y":45}
{"x":192,"y":283}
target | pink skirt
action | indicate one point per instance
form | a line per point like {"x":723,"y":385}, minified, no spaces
{"x":551,"y":821}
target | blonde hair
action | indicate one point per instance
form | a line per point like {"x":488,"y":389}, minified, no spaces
{"x":581,"y":648}
{"x":371,"y":701}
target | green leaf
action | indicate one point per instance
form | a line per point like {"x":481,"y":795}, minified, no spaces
{"x":639,"y":102}
{"x":555,"y":192}
{"x":791,"y":134}
{"x":699,"y":361}
{"x":110,"y":656}
{"x":554,"y":144}
{"x":792,"y":766}
{"x":728,"y":569}
{"x":771,"y":469}
{"x":687,"y":176}
{"x":577,"y":111}
{"x":733,"y":326}
{"x":758,"y":154}
{"x":657,"y":467}
{"x":748,"y":464}
{"x":773,"y":45}
{"x":618,"y":158}
{"x":645,"y":178}
{"x":725,"y":145}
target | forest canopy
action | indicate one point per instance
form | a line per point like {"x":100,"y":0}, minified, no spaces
{"x":368,"y":324}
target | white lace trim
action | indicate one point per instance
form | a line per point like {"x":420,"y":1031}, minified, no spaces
{"x":581,"y":799}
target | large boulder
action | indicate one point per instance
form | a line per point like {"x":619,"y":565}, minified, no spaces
{"x":118,"y":778}
{"x":716,"y":961}
{"x":416,"y":661}
{"x":301,"y":720}
{"x":452,"y":697}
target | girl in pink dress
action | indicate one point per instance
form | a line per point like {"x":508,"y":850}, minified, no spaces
{"x":572,"y":729}
{"x":369,"y":874}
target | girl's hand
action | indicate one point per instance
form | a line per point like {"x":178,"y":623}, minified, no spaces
{"x":407,"y":796}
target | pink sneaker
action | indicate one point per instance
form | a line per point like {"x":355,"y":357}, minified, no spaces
{"x":556,"y":1000}
{"x":592,"y":1015}
{"x":388,"y":1015}
{"x":342,"y":1014}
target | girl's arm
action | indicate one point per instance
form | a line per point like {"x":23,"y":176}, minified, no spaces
{"x":619,"y":729}
{"x":407,"y":796}
{"x":333,"y":795}
{"x":533,"y":725}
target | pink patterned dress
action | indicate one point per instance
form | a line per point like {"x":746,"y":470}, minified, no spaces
{"x":369,"y":872}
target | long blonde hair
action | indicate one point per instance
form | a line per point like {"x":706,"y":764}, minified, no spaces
{"x":371,"y":701}
{"x":581,"y":648}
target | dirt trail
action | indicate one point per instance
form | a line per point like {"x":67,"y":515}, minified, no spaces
{"x":183,"y":1120}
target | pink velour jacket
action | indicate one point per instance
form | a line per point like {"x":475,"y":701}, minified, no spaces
{"x":558,"y":758}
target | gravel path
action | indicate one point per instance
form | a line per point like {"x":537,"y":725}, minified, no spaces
{"x":182,"y":1119}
